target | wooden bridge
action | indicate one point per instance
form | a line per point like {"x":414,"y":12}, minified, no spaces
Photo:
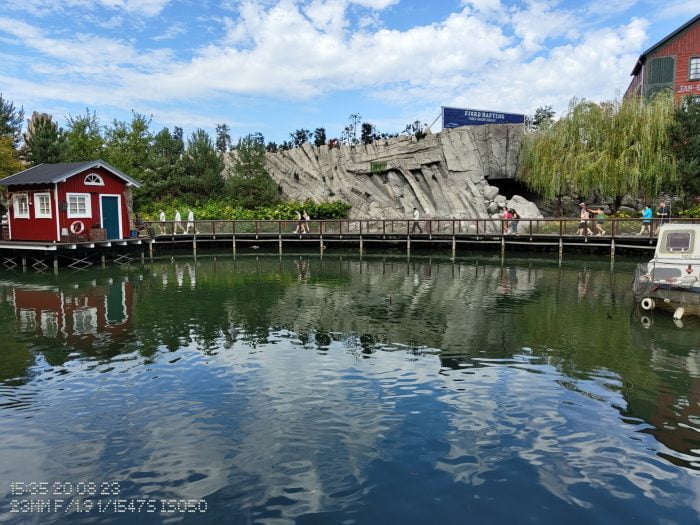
{"x":449,"y":236}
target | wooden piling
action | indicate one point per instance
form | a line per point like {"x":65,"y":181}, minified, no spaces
{"x":454,"y":247}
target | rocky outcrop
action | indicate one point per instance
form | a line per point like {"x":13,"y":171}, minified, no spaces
{"x":445,"y":174}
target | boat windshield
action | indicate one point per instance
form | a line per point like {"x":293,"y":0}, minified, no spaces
{"x":678,"y":241}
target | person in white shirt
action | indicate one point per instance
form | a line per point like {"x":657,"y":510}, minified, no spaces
{"x":190,"y":222}
{"x":416,"y":223}
{"x":177,"y":225}
{"x":161,"y":219}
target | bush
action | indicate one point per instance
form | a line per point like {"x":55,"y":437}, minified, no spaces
{"x":224,"y":210}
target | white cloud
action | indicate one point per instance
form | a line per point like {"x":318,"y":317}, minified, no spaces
{"x":375,"y":4}
{"x":678,"y":9}
{"x":293,"y":49}
{"x":173,"y":31}
{"x":45,"y":7}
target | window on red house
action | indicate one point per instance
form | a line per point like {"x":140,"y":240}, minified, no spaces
{"x":694,"y":68}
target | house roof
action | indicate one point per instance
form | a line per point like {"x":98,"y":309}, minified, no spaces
{"x":53,"y":173}
{"x":643,"y":57}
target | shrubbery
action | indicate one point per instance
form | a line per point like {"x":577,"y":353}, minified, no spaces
{"x":215,"y":210}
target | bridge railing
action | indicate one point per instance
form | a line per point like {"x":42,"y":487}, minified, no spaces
{"x":435,"y":227}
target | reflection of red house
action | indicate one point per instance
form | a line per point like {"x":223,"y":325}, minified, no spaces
{"x":81,"y":317}
{"x":51,"y":201}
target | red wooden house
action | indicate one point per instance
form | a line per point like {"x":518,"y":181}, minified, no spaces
{"x":672,"y":63}
{"x":52,"y":202}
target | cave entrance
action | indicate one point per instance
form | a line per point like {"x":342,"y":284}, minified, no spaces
{"x":510,"y":187}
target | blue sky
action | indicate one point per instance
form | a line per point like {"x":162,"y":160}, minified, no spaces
{"x":273,"y":66}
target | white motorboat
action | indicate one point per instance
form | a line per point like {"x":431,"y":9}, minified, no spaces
{"x":671,"y":280}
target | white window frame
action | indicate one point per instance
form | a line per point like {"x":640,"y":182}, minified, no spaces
{"x":37,"y":206}
{"x":16,"y":208}
{"x":88,"y":206}
{"x":697,"y":69}
{"x":99,"y":182}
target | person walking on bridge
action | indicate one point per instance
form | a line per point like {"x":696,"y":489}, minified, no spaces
{"x":416,"y":221}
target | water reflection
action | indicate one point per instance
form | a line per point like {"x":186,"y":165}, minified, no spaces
{"x":336,"y":387}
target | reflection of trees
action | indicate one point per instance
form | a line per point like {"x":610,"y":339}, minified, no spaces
{"x":575,"y":318}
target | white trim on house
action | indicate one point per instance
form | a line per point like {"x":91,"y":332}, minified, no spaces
{"x":95,"y":180}
{"x":58,"y":216}
{"x":15,"y":205}
{"x":119,"y":209}
{"x":88,"y":206}
{"x":37,"y":205}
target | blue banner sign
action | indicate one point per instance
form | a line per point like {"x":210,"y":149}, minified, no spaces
{"x":457,"y":117}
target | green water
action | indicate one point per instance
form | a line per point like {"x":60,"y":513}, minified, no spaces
{"x":341,"y":390}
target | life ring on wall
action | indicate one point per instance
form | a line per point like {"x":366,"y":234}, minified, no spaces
{"x":77,"y":227}
{"x":648,"y":304}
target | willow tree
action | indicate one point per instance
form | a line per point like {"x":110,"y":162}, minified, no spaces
{"x":609,"y":149}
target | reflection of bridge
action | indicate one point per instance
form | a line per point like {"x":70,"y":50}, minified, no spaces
{"x":449,"y":235}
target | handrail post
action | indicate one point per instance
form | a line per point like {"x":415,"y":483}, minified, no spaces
{"x":561,"y":228}
{"x":383,"y":228}
{"x":256,"y":229}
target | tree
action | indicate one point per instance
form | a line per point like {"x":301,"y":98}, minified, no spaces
{"x":416,"y":129}
{"x":11,"y":120}
{"x":44,"y":141}
{"x":367,"y":133}
{"x":319,"y":137}
{"x":83,"y":138}
{"x":202,"y":166}
{"x":685,"y":136}
{"x":127,"y":145}
{"x":249,"y":183}
{"x":543,"y":117}
{"x":223,"y":138}
{"x":271,"y":147}
{"x":164,"y":171}
{"x":300,"y":137}
{"x":349,"y":134}
{"x":611,"y":150}
{"x":9,"y":159}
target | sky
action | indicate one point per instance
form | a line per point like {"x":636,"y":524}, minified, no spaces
{"x":274,"y":66}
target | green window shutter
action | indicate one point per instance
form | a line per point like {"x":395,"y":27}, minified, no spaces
{"x":659,"y":74}
{"x":661,"y":70}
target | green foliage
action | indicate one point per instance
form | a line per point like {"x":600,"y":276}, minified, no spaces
{"x":543,"y":117}
{"x":202,"y":166}
{"x":127,"y":145}
{"x":249,"y":184}
{"x":11,"y":120}
{"x":9,"y":158}
{"x":685,"y":135}
{"x":319,"y":137}
{"x":44,"y":143}
{"x":164,"y":170}
{"x":228,"y":210}
{"x":223,"y":138}
{"x":300,"y":137}
{"x":377,"y":167}
{"x":83,"y":138}
{"x":609,"y":149}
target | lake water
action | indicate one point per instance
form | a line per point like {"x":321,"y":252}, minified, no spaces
{"x":339,"y":390}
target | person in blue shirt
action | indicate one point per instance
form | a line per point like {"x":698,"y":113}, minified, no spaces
{"x":647,"y":214}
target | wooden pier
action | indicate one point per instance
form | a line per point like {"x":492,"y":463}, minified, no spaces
{"x":448,"y":236}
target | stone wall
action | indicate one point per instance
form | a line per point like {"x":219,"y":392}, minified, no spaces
{"x":445,"y":174}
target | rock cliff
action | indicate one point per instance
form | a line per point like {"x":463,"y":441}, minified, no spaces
{"x":445,"y":174}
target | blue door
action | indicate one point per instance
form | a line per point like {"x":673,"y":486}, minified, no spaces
{"x":110,"y":217}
